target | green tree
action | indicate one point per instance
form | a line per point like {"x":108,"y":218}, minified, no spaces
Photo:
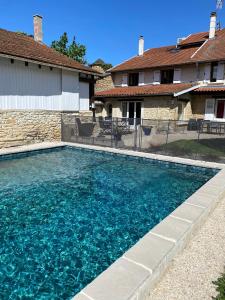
{"x":74,"y":50}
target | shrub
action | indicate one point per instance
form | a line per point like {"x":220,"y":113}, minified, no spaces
{"x":220,"y":287}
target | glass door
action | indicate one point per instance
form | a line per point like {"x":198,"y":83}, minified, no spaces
{"x":132,"y":111}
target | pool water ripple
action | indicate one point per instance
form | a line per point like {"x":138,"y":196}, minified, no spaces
{"x":67,"y":214}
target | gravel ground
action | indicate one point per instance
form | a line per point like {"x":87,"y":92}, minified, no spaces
{"x":202,"y":261}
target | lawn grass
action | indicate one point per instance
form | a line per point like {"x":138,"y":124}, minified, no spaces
{"x":207,"y":148}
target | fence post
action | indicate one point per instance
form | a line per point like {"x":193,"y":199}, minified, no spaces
{"x":135,"y":134}
{"x":112,"y":129}
{"x":167,"y":133}
{"x":61,"y":127}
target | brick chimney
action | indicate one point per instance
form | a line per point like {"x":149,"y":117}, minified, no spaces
{"x":141,"y":45}
{"x":38,"y":33}
{"x":212,"y":29}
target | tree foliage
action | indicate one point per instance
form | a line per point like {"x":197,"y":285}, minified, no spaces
{"x":74,"y":50}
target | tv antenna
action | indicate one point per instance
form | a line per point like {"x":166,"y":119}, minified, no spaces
{"x":219,"y":6}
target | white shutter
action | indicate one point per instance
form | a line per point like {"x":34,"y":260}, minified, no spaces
{"x":220,"y":72}
{"x":177,"y":76}
{"x":141,"y":78}
{"x":156,"y":77}
{"x":124,"y":80}
{"x":209,"y":109}
{"x":207,"y":72}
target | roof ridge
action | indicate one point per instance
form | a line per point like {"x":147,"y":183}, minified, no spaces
{"x":22,"y":46}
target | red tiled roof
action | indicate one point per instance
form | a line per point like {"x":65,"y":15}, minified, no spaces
{"x":153,"y":58}
{"x":22,"y":46}
{"x":151,"y":90}
{"x":209,"y":89}
{"x":213,"y":49}
{"x":188,"y":52}
{"x":195,"y":38}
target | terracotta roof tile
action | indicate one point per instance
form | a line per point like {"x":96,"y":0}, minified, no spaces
{"x":162,"y":89}
{"x":209,"y":89}
{"x":153,"y":58}
{"x":189,"y":52}
{"x":22,"y":46}
{"x":199,"y":37}
{"x":213,"y":49}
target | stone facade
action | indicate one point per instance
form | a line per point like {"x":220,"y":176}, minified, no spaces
{"x":160,"y":108}
{"x":105,"y":83}
{"x":27,"y":127}
{"x":198,"y":106}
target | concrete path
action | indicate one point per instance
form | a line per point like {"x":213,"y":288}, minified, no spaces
{"x":202,"y":261}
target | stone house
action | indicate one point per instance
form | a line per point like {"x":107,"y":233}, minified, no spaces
{"x":177,"y":82}
{"x":37,"y":83}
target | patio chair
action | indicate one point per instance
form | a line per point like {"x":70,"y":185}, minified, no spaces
{"x":85,"y":129}
{"x":192,"y":125}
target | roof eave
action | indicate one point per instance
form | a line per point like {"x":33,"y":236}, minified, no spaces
{"x":49,"y":64}
{"x":133,"y":96}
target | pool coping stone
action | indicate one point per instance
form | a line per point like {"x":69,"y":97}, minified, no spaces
{"x":134,"y":275}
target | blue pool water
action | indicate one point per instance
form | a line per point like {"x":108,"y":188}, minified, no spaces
{"x":67,"y":214}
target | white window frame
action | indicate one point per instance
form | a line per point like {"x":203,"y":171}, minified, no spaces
{"x":135,"y":110}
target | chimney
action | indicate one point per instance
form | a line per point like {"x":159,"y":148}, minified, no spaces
{"x":38,"y":34}
{"x":212,"y":29}
{"x":141,"y":46}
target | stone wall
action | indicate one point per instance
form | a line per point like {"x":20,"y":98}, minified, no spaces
{"x":162,"y":108}
{"x":198,"y":105}
{"x":104,"y":83}
{"x":27,"y":127}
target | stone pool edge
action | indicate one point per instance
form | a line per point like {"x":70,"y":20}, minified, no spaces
{"x":134,"y":275}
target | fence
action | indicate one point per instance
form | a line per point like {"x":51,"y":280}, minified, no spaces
{"x":195,"y":139}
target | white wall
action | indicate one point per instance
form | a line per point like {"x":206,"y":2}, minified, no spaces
{"x":183,"y":74}
{"x":84,"y":96}
{"x":29,"y":87}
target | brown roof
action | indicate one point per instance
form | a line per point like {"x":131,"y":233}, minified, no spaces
{"x":189,"y":51}
{"x":213,"y":49}
{"x":22,"y":46}
{"x":151,"y":90}
{"x":199,"y":37}
{"x":209,"y":89}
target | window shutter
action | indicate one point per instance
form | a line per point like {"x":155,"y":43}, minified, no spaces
{"x":156,"y":77}
{"x":209,"y":109}
{"x":141,"y":78}
{"x":177,"y":76}
{"x":207,"y":72}
{"x":124,"y":80}
{"x":220,"y":72}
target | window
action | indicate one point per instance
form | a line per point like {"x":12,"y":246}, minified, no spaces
{"x":220,"y":109}
{"x":133,"y":79}
{"x":109,"y":110}
{"x":213,"y":73}
{"x":167,"y":76}
{"x":124,"y":109}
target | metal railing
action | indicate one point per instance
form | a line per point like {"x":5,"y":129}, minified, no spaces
{"x":196,"y":139}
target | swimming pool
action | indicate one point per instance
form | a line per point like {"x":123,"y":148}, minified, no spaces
{"x":67,"y":214}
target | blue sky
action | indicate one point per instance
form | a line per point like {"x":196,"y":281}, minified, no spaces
{"x":110,"y":28}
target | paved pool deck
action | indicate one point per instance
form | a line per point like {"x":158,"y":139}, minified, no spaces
{"x":192,"y":271}
{"x":178,"y":258}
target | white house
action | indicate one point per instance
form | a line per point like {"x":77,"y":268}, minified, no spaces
{"x":36,"y":77}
